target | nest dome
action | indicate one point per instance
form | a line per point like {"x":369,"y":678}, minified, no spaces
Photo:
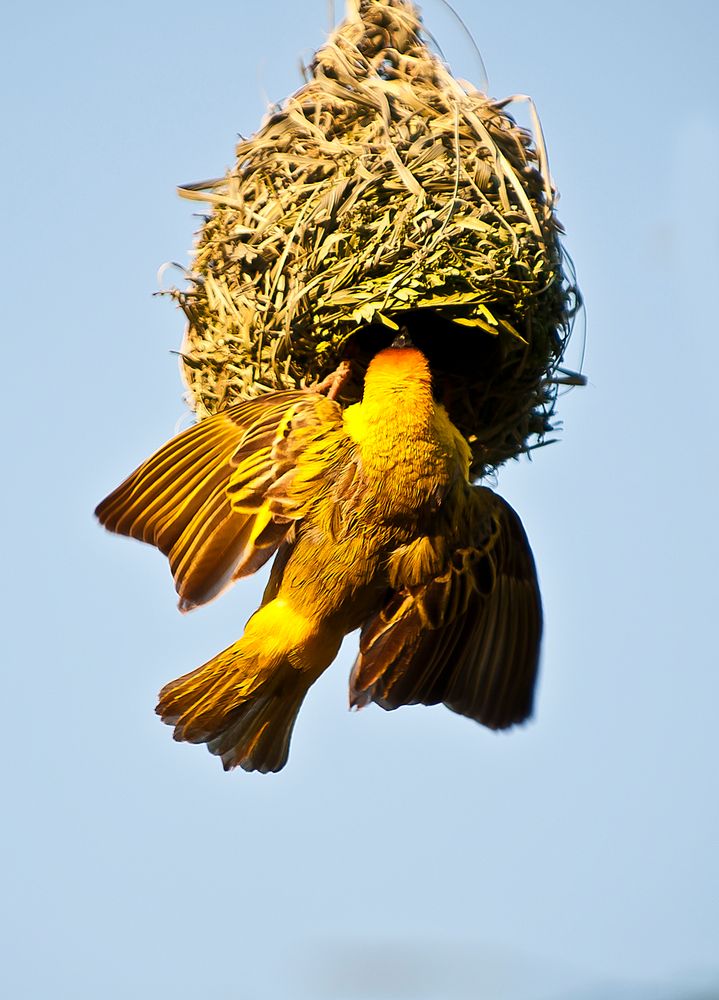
{"x":384,"y":194}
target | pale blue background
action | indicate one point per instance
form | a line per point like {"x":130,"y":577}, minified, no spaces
{"x":405,"y":855}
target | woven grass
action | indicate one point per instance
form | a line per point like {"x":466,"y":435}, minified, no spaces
{"x":384,"y":194}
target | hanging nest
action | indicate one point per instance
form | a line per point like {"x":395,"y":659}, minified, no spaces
{"x":384,"y":195}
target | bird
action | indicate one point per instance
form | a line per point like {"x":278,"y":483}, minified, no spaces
{"x":375,"y":525}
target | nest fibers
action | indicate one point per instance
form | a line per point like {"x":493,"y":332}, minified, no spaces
{"x":384,"y":194}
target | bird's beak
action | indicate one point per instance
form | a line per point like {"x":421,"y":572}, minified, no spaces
{"x":402,"y":339}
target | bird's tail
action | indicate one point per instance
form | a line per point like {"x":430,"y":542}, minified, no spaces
{"x":243,"y":703}
{"x":251,"y":728}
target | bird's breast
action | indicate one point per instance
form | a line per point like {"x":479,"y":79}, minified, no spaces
{"x":406,"y":474}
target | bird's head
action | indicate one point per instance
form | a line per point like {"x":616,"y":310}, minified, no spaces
{"x":398,"y":369}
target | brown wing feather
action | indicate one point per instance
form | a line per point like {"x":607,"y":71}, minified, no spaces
{"x":200,"y":499}
{"x":469,"y":635}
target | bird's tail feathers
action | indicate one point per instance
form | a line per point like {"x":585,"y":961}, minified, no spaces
{"x":257,"y":735}
{"x":243,"y":702}
{"x":245,"y":713}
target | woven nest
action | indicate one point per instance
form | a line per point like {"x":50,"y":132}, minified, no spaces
{"x":383,"y":194}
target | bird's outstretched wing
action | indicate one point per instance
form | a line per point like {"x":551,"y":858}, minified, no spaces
{"x":201,"y":499}
{"x":463,"y":623}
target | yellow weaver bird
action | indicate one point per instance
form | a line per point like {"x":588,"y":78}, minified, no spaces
{"x":376,"y":526}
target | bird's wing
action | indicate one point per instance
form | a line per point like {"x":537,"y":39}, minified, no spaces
{"x":201,"y":499}
{"x":463,"y":623}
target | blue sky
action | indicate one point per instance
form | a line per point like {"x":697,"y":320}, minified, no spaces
{"x":403,"y":855}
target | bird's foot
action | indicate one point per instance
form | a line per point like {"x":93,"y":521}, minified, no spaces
{"x":334,"y":383}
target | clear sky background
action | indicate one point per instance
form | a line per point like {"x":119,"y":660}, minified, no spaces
{"x":406,"y":855}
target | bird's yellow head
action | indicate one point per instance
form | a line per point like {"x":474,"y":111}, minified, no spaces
{"x":398,"y":369}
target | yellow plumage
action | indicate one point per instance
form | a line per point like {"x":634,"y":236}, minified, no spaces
{"x":376,"y":526}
